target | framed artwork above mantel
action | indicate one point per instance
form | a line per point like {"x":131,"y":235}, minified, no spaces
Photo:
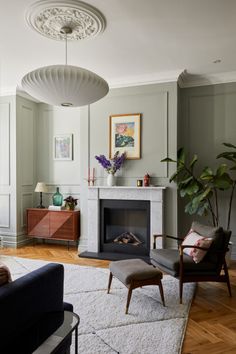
{"x":125,"y":135}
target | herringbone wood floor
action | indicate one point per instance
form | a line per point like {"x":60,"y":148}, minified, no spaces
{"x":212,"y":322}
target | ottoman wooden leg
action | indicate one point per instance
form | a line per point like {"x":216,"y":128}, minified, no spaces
{"x":162,"y":293}
{"x":128,"y":299}
{"x":109,"y":282}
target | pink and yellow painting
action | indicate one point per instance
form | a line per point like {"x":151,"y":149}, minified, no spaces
{"x":124,"y":134}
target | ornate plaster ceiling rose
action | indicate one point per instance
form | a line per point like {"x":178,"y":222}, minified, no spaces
{"x":65,"y":85}
{"x":48,"y":17}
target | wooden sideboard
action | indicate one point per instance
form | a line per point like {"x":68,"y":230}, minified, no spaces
{"x":55,"y":225}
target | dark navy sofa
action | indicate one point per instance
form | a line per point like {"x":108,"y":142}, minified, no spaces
{"x":31,"y":309}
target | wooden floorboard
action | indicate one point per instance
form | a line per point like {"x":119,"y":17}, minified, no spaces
{"x":211,"y":327}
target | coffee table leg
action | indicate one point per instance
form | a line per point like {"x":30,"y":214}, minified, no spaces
{"x":76,"y":340}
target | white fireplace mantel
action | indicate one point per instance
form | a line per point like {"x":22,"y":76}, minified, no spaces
{"x":153,"y":194}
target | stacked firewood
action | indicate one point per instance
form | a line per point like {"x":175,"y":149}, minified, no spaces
{"x":127,"y":237}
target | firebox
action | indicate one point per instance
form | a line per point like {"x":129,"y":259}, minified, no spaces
{"x":125,"y":226}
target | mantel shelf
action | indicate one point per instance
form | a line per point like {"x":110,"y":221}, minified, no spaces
{"x":127,"y":187}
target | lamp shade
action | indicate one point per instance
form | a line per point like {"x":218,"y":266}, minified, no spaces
{"x":41,"y":187}
{"x":65,"y":85}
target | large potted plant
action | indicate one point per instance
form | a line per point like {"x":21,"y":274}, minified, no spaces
{"x":201,"y":190}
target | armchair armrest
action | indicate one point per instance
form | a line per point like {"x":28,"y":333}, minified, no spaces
{"x":181,"y":247}
{"x":155,"y":236}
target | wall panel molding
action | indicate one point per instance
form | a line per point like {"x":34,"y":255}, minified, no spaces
{"x":5,"y":158}
{"x":5,"y":210}
{"x":27,"y":201}
{"x":27,"y":144}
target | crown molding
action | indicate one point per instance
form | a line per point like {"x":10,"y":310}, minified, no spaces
{"x":148,"y":79}
{"x":192,"y":80}
{"x":7,"y":91}
{"x":182,"y":77}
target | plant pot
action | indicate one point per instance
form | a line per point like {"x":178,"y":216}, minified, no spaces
{"x":111,"y":180}
{"x":69,"y":206}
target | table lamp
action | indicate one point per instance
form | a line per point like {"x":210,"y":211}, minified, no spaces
{"x":41,"y":188}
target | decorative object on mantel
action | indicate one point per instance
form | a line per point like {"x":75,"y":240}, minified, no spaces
{"x":65,"y":85}
{"x":146,"y":180}
{"x":70,"y":203}
{"x":57,"y":198}
{"x":111,"y":166}
{"x":139,"y":182}
{"x":41,"y":188}
{"x":91,"y":179}
{"x":125,"y":135}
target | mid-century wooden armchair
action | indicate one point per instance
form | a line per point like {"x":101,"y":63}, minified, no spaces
{"x":180,"y":265}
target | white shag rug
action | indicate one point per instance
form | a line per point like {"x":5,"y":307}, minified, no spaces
{"x":149,"y":328}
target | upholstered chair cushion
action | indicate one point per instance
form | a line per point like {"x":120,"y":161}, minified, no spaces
{"x":135,"y":269}
{"x":168,"y":261}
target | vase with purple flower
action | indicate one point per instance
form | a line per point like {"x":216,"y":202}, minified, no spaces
{"x":111,"y":166}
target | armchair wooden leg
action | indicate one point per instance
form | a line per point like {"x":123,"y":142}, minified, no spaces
{"x":162,"y":293}
{"x":128,"y":299}
{"x":109,"y":282}
{"x":227,"y":278}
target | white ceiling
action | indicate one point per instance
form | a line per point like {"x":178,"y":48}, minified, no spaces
{"x":144,"y":41}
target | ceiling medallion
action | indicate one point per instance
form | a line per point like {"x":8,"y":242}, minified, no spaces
{"x":48,"y":17}
{"x":65,"y":85}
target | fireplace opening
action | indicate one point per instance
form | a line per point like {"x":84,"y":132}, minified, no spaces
{"x":125,"y":226}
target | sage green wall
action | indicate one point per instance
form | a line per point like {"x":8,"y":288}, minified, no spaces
{"x":158,"y":107}
{"x":207,"y":118}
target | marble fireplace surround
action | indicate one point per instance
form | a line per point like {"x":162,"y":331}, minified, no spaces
{"x":95,"y":194}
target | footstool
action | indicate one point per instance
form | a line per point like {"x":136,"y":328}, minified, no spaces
{"x":135,"y":273}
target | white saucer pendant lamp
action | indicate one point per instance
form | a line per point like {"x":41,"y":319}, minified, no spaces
{"x":65,"y":85}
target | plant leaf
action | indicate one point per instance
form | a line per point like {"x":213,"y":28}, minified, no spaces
{"x":181,"y":156}
{"x":207,"y":174}
{"x":194,"y":160}
{"x":223,"y":182}
{"x":221,"y":170}
{"x":230,"y":155}
{"x":174,"y":176}
{"x":229,"y":145}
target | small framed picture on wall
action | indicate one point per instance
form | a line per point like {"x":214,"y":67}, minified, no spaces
{"x":63,"y":147}
{"x":125,"y":135}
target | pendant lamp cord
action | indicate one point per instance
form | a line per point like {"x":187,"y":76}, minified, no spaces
{"x":66,"y":48}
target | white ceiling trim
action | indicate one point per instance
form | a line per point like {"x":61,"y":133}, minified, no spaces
{"x":183,"y":78}
{"x":149,"y":79}
{"x":7,"y":91}
{"x":190,"y":80}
